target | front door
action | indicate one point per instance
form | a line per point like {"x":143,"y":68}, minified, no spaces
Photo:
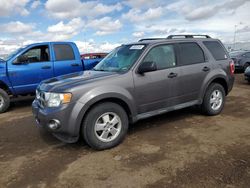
{"x":34,"y":68}
{"x":154,"y":89}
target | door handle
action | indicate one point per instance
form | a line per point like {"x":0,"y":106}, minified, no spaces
{"x":46,"y":67}
{"x":205,"y":69}
{"x":75,"y":65}
{"x":172,"y":75}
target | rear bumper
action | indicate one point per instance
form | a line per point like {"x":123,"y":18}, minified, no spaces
{"x":68,"y":131}
{"x":230,"y":83}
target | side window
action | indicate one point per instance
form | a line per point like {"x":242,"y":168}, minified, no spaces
{"x":64,"y":52}
{"x":216,"y":50}
{"x":191,"y":53}
{"x":37,"y":54}
{"x":163,"y":56}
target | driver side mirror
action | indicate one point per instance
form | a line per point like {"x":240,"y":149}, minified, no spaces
{"x":22,"y":59}
{"x":147,"y":66}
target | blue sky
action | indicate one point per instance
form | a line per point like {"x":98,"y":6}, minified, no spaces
{"x":102,"y":25}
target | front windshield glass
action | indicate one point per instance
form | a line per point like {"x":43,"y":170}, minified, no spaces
{"x":13,"y":53}
{"x":120,"y":59}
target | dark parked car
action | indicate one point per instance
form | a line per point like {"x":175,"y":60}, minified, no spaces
{"x":135,"y":81}
{"x":241,"y":59}
{"x":247,"y":74}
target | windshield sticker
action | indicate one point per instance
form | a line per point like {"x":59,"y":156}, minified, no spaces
{"x":136,"y":47}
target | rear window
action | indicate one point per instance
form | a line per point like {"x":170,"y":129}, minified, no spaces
{"x":191,"y":53}
{"x":63,"y":52}
{"x":216,"y":50}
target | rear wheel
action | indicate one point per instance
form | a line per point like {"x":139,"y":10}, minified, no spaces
{"x":105,"y":126}
{"x":214,"y":99}
{"x":4,"y":101}
{"x":246,"y":65}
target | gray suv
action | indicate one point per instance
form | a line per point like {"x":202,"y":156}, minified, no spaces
{"x":135,"y":81}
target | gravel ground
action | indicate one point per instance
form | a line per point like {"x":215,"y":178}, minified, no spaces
{"x":178,"y":149}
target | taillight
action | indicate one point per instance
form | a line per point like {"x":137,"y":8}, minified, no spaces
{"x":232,"y":68}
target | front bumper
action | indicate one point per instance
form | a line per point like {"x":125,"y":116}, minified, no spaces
{"x":67,"y":116}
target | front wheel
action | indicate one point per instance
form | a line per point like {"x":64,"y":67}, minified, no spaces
{"x":214,"y":100}
{"x":105,"y":126}
{"x":4,"y":101}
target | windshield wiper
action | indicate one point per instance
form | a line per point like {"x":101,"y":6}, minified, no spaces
{"x":99,"y":69}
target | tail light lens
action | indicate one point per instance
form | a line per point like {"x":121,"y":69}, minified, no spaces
{"x":232,"y":68}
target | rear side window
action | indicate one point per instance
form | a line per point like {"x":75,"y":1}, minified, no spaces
{"x":216,"y":50}
{"x":191,"y":53}
{"x":63,"y":52}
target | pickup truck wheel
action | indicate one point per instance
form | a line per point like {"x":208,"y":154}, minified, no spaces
{"x":4,"y":101}
{"x":105,"y":126}
{"x":214,"y":100}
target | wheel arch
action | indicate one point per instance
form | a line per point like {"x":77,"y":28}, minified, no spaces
{"x":218,"y":79}
{"x":5,"y":87}
{"x":85,"y":108}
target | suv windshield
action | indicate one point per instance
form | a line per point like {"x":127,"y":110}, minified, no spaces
{"x":121,"y":58}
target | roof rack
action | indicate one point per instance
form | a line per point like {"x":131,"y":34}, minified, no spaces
{"x":188,"y":36}
{"x":177,"y":37}
{"x":151,"y":39}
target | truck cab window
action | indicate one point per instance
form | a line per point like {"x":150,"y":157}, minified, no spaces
{"x":64,"y":52}
{"x":37,"y":54}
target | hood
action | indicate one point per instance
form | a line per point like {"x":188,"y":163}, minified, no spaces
{"x":79,"y":78}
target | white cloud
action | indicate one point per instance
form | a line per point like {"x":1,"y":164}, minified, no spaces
{"x":35,"y":4}
{"x":75,"y":8}
{"x":204,"y":10}
{"x":137,"y":15}
{"x":73,"y":27}
{"x":105,"y":25}
{"x":9,"y":8}
{"x":142,"y":3}
{"x":16,"y":27}
{"x":91,"y":46}
{"x":138,"y":34}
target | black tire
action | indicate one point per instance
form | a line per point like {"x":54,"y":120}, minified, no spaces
{"x":88,"y":127}
{"x":206,"y":105}
{"x":245,"y":66}
{"x":4,"y":101}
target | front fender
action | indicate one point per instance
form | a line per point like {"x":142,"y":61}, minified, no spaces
{"x":4,"y":79}
{"x":98,"y":94}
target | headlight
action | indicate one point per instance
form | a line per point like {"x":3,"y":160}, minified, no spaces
{"x":56,"y":99}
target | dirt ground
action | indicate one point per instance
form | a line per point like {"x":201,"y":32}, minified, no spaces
{"x":178,"y":149}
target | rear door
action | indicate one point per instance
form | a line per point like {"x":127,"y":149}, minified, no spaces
{"x":65,"y":60}
{"x":25,"y":76}
{"x":154,"y":89}
{"x":194,"y":68}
